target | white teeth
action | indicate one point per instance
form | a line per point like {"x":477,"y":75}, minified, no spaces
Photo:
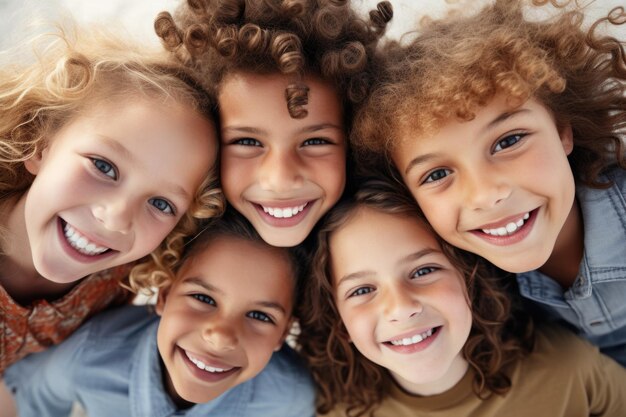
{"x":81,"y":243}
{"x":412,"y":340}
{"x":285,"y":212}
{"x":509,"y":229}
{"x":204,"y":367}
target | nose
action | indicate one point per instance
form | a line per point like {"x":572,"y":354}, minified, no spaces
{"x":221,"y":336}
{"x":281,"y":171}
{"x":484,"y":188}
{"x":400,"y":305}
{"x":116,"y":214}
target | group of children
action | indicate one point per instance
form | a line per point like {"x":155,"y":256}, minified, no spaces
{"x":444,"y":217}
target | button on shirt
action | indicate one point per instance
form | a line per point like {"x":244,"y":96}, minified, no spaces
{"x":113,"y":368}
{"x":595,"y":305}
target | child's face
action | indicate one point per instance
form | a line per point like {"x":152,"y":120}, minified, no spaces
{"x":499,"y":186}
{"x":112,"y":183}
{"x":403,"y":303}
{"x":281,"y":173}
{"x":227,"y":312}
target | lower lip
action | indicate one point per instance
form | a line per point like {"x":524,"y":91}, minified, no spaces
{"x":416,"y":347}
{"x":519,"y":235}
{"x":73,"y":253}
{"x":285,"y":221}
{"x":205,"y":375}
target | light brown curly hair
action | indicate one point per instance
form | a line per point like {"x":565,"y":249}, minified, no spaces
{"x":501,"y":331}
{"x":454,"y":66}
{"x":291,"y":37}
{"x":74,"y":69}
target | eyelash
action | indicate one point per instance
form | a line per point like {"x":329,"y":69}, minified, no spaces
{"x":361,"y":291}
{"x":429,"y":179}
{"x":260,"y":316}
{"x":246,"y":142}
{"x":203,"y":298}
{"x":316,"y":142}
{"x":419,"y":272}
{"x":105,"y":167}
{"x":517,"y":137}
{"x":169,"y":208}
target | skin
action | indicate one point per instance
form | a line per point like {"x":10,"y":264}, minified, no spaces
{"x":272,"y":163}
{"x":233,"y":324}
{"x":392,"y":282}
{"x":113,"y":174}
{"x":490,"y":172}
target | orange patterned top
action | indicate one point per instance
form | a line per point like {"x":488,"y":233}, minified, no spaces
{"x":25,"y":330}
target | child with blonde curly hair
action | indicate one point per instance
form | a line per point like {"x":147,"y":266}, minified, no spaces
{"x":94,"y":135}
{"x":509,"y":132}
{"x":286,"y":74}
{"x":396,"y":322}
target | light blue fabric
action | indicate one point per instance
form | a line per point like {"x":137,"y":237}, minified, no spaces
{"x":111,"y":365}
{"x":595,"y":306}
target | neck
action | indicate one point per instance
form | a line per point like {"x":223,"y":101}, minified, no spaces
{"x":453,"y":375}
{"x":564,"y":262}
{"x":18,"y":275}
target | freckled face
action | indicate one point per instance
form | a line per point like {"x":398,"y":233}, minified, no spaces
{"x":281,"y":173}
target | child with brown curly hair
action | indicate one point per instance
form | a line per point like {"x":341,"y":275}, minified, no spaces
{"x":398,"y":322}
{"x":93,"y":135}
{"x":214,"y":348}
{"x":286,"y":74}
{"x":509,"y":132}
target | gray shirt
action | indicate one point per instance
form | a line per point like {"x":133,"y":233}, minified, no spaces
{"x":111,"y":365}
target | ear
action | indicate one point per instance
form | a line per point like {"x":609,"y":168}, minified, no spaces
{"x":33,"y":164}
{"x":161,"y":298}
{"x":567,"y":138}
{"x":286,"y":333}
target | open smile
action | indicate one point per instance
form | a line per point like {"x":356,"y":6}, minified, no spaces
{"x":414,"y":343}
{"x":205,"y":370}
{"x":510,"y":231}
{"x":283,"y":215}
{"x":80,"y":246}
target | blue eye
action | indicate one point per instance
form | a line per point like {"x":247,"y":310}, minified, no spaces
{"x":420,"y":272}
{"x":361,"y":291}
{"x":507,"y":142}
{"x":203,"y":298}
{"x":162,"y":205}
{"x":315,"y":141}
{"x":437,"y":174}
{"x":247,"y":142}
{"x":104,"y":167}
{"x":260,"y":316}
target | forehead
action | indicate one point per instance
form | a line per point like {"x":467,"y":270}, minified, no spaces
{"x":370,"y":235}
{"x":237,"y":260}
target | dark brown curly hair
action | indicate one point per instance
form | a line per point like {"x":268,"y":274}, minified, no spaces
{"x":501,"y":331}
{"x":291,"y":37}
{"x":454,"y":66}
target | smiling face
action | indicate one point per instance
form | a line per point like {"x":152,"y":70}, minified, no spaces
{"x":227,"y":312}
{"x":402,"y":302}
{"x":499,"y":185}
{"x":109,"y":186}
{"x":281,"y":173}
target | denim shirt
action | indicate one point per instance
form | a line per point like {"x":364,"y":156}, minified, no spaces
{"x":595,"y":305}
{"x":113,"y":368}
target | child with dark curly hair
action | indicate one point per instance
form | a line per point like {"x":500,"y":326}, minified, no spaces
{"x":396,"y":322}
{"x":286,"y":74}
{"x":509,"y":132}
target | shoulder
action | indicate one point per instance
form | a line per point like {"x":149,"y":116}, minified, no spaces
{"x":121,"y":323}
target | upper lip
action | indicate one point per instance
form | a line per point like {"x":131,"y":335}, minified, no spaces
{"x":409,"y":334}
{"x":503,"y":221}
{"x":283,"y":203}
{"x":97,"y":240}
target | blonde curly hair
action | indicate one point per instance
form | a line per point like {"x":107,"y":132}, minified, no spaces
{"x":455,"y":65}
{"x":73,"y":69}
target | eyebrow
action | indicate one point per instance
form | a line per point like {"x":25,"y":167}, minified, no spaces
{"x":492,"y":124}
{"x":130,"y":159}
{"x":306,"y":129}
{"x":410,"y":257}
{"x":201,"y":283}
